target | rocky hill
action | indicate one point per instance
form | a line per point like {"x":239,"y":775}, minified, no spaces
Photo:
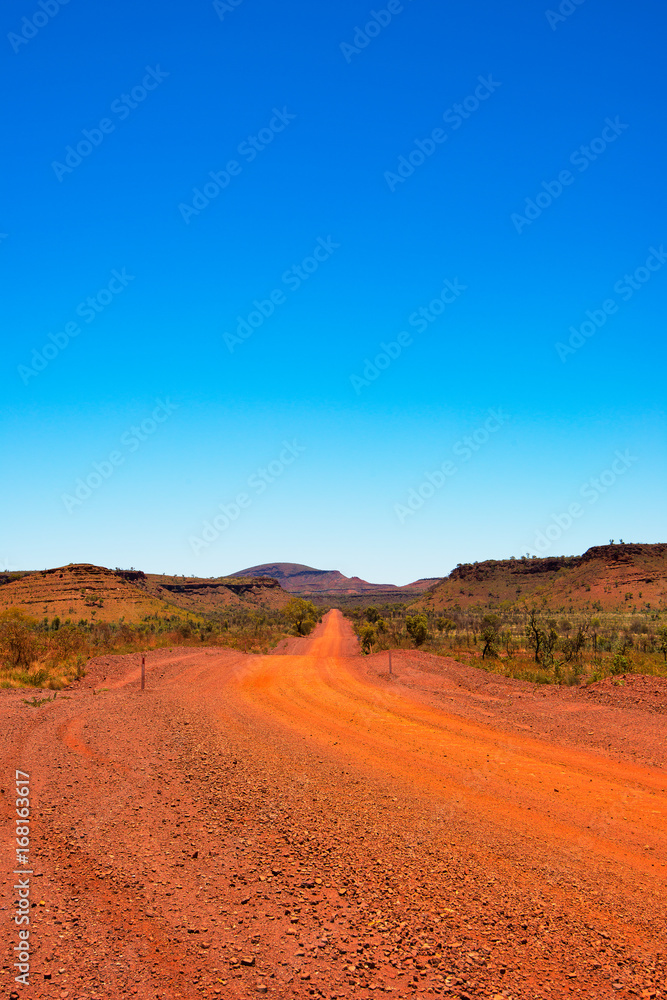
{"x":79,"y":591}
{"x":96,"y":593}
{"x":623,"y":577}
{"x":209,"y":596}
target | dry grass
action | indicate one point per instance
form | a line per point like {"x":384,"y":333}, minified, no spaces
{"x":54,"y":655}
{"x":522,"y":666}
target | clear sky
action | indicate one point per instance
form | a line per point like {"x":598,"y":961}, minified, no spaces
{"x":268,"y":266}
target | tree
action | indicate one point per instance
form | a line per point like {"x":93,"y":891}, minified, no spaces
{"x":367,"y":637}
{"x":549,"y":644}
{"x":417,"y":627}
{"x":534,"y":633}
{"x":506,"y":638}
{"x":372,"y":614}
{"x":595,"y":625}
{"x":544,"y":640}
{"x":301,"y":614}
{"x":621,"y":663}
{"x":572,"y":647}
{"x":491,"y":625}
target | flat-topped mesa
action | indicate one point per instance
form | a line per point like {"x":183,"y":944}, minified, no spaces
{"x":492,"y":568}
{"x":620,"y":552}
{"x":614,"y":577}
{"x":79,"y":591}
{"x":626,"y":551}
{"x":214,"y":595}
{"x":236,"y":584}
{"x":95,"y":593}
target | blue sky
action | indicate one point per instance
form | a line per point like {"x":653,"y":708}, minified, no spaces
{"x":238,"y":320}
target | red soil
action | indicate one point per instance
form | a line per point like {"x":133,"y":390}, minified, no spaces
{"x":307,"y":825}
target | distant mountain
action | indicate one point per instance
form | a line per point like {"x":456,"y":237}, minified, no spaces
{"x":305,"y":581}
{"x":622,"y":577}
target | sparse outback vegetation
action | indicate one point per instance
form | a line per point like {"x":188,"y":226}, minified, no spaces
{"x":536,"y":644}
{"x":53,"y":654}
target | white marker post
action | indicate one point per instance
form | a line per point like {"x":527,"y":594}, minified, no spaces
{"x":143,"y":672}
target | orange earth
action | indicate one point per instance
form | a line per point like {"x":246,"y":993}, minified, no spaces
{"x":309,"y":825}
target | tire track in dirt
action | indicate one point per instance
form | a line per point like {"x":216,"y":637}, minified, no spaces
{"x":523,"y":792}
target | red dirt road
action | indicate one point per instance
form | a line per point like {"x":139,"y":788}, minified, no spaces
{"x":306,"y":825}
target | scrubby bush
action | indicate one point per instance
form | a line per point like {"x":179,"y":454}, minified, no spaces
{"x":491,"y":632}
{"x":417,"y":628}
{"x":302,"y":615}
{"x":367,"y":637}
{"x":18,"y":639}
{"x":43,"y":654}
{"x":535,"y":644}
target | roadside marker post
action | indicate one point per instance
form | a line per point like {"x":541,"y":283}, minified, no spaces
{"x":389,"y":661}
{"x":143,"y":672}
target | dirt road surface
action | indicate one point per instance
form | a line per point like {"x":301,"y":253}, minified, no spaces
{"x":308,"y":825}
